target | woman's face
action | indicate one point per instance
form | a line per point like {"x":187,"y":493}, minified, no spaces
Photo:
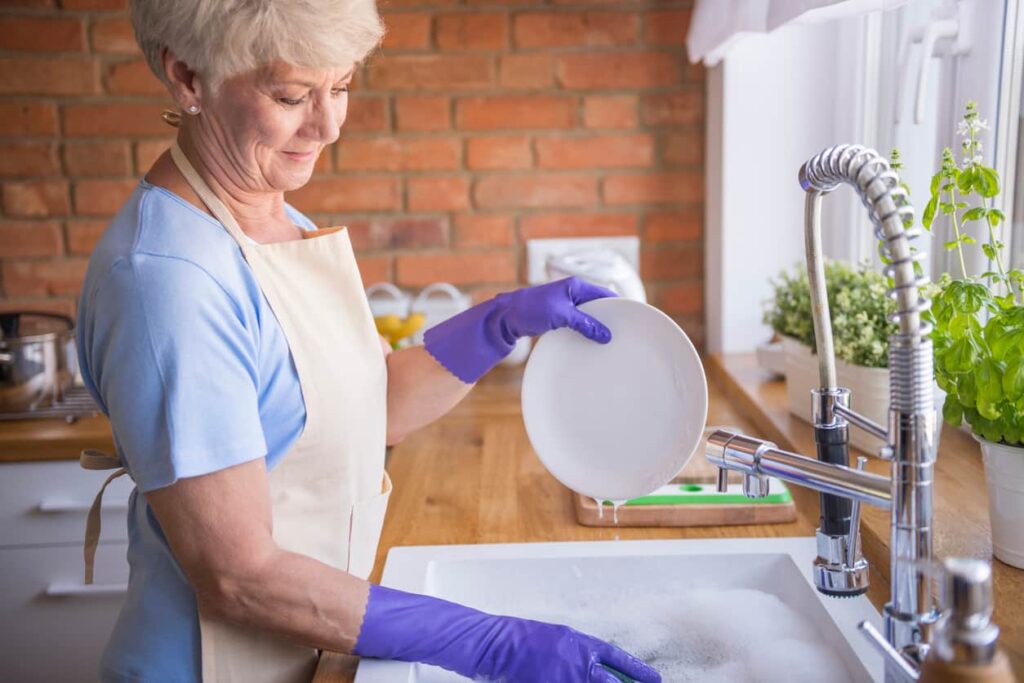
{"x":270,"y":125}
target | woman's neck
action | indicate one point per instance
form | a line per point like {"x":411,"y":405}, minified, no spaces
{"x":260,"y":215}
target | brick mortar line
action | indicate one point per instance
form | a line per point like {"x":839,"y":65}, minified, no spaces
{"x":595,"y":8}
{"x":455,"y":93}
{"x":60,"y":12}
{"x":466,"y":173}
{"x":448,"y":250}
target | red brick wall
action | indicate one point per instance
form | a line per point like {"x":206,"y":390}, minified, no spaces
{"x":480,"y":124}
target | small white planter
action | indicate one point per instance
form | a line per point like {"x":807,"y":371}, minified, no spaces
{"x":1004,"y":474}
{"x":869,"y":390}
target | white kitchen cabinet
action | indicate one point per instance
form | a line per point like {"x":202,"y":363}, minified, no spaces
{"x":54,"y":627}
{"x":43,"y":503}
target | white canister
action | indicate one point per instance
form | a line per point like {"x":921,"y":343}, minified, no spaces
{"x":438,"y":302}
{"x":600,"y":266}
{"x":386,"y":299}
{"x":1004,"y":474}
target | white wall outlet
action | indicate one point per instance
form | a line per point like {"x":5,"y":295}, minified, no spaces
{"x":538,"y":252}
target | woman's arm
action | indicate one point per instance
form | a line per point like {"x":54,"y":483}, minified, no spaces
{"x":219,"y":528}
{"x":420,"y":391}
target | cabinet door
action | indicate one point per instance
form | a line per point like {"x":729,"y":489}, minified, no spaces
{"x":46,"y":503}
{"x":54,"y":628}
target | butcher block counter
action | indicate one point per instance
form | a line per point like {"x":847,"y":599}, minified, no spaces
{"x":472,"y":477}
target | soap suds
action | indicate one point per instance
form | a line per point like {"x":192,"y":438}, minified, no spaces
{"x":708,"y":635}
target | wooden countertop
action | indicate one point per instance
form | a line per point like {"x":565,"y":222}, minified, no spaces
{"x":51,"y":438}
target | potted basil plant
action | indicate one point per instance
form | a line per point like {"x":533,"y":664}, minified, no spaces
{"x":979,"y":333}
{"x":858,"y":307}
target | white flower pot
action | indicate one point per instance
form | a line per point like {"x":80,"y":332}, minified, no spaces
{"x":1004,"y":474}
{"x":869,"y":390}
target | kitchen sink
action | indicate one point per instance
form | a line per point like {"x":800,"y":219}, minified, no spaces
{"x":739,"y":609}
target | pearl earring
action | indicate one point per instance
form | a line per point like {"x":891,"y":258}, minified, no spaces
{"x":193,"y":109}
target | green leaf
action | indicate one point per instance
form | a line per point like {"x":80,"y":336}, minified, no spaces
{"x":995,"y":217}
{"x":975,"y":213}
{"x":967,"y":239}
{"x":989,"y":430}
{"x":990,"y":389}
{"x":963,"y":324}
{"x":987,"y":182}
{"x":966,"y":179}
{"x":990,"y":252}
{"x":966,"y":296}
{"x":1002,"y":342}
{"x":936,"y":180}
{"x":967,"y":390}
{"x":1013,"y":379}
{"x":929,"y":211}
{"x":961,"y":356}
{"x":942,"y":379}
{"x":950,"y":245}
{"x":952,"y":411}
{"x":1007,"y":301}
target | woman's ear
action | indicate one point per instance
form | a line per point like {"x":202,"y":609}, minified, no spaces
{"x":185,"y":85}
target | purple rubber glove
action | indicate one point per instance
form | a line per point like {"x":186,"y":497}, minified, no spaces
{"x":419,"y":628}
{"x":474,"y":341}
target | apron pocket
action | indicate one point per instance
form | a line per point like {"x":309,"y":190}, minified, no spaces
{"x":367,"y":522}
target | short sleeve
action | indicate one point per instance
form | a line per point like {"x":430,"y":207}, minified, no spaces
{"x":175,"y":366}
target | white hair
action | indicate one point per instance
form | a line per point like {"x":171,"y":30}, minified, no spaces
{"x":219,"y":39}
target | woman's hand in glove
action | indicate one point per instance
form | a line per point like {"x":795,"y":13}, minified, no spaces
{"x":419,"y":628}
{"x":474,"y":341}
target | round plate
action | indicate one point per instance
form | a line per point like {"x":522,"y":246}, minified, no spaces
{"x":616,"y":421}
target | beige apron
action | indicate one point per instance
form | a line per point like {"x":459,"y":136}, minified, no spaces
{"x":329,"y":493}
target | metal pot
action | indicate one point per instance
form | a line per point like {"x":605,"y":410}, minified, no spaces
{"x":38,"y":360}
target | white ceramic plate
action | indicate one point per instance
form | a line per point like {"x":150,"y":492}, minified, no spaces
{"x":616,"y":421}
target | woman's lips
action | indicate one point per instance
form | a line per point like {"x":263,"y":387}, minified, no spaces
{"x":300,"y":156}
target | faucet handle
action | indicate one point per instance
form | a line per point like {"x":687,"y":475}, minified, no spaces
{"x":965,"y":632}
{"x":852,"y":540}
{"x":722,"y":485}
{"x":840,"y":570}
{"x":755,"y":485}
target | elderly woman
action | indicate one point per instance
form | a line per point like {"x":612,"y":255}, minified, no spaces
{"x":231,"y":345}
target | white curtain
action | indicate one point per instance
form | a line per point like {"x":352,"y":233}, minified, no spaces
{"x":718,"y":24}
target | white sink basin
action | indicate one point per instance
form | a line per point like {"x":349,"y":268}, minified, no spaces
{"x":735,"y":609}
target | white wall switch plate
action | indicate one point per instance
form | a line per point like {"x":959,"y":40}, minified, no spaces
{"x":538,"y":252}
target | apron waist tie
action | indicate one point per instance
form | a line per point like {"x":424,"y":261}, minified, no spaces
{"x":90,"y":459}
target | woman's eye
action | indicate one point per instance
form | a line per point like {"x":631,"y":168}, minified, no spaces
{"x":291,"y":102}
{"x":337,"y":91}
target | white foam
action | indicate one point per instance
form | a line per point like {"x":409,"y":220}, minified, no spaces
{"x":711,"y":636}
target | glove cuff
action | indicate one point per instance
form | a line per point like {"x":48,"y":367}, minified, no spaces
{"x":410,"y":627}
{"x":470,"y":343}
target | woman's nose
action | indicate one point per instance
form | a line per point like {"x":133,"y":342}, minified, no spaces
{"x":326,"y":121}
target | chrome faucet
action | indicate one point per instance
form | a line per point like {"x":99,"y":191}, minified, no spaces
{"x":910,"y":436}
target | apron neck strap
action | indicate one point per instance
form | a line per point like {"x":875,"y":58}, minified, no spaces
{"x":206,"y":195}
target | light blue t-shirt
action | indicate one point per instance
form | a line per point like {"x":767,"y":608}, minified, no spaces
{"x":181,"y":350}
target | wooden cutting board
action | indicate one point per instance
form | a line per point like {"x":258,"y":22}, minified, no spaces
{"x":690,"y":499}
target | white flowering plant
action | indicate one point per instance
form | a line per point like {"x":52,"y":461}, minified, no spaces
{"x":858,"y":308}
{"x":978,"y":319}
